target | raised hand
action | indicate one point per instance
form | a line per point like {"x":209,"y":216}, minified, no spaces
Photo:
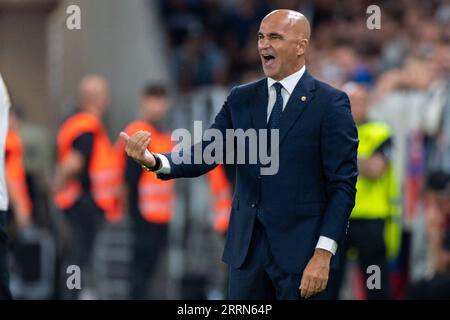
{"x":136,"y":148}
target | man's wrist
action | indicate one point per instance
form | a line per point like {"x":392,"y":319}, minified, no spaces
{"x":157,"y":165}
{"x":323,"y":253}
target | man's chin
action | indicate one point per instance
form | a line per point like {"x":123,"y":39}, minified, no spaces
{"x":269,"y":73}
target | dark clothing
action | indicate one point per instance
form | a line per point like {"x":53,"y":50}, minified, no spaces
{"x":446,"y":240}
{"x":436,"y":288}
{"x":313,"y":191}
{"x":85,"y":220}
{"x":260,"y":278}
{"x":133,"y":173}
{"x":83,"y":144}
{"x":367,"y":236}
{"x":5,"y":293}
{"x":150,"y":239}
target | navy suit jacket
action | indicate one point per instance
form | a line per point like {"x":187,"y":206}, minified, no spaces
{"x":313,"y":192}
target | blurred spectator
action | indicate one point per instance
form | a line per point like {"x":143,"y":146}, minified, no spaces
{"x":436,"y":284}
{"x":376,"y":204}
{"x":149,"y":200}
{"x":198,"y":62}
{"x":5,"y":104}
{"x":20,"y":201}
{"x":87,"y":179}
{"x":31,"y":244}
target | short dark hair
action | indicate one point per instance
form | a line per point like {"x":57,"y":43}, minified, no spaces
{"x":154,"y":90}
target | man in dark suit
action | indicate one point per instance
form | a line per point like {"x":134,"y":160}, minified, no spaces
{"x":284,"y":228}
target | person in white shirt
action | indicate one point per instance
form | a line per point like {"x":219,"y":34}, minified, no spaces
{"x":4,"y":274}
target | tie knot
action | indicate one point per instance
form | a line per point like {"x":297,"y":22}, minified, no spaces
{"x":278,"y":87}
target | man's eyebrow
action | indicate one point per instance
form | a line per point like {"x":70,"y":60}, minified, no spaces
{"x":271,"y":34}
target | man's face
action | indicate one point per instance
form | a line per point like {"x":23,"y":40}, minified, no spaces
{"x":94,"y":94}
{"x":155,"y":107}
{"x":102,"y":100}
{"x":279,"y":48}
{"x":359,"y":101}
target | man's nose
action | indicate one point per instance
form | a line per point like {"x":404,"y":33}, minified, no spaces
{"x":263,"y":43}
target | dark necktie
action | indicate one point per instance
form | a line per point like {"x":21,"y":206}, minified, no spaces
{"x":274,"y":123}
{"x":274,"y":120}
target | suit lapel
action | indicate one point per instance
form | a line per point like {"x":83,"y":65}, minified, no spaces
{"x":299,"y":100}
{"x":259,"y":106}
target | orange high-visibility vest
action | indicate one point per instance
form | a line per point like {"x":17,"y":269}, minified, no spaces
{"x":15,"y":172}
{"x":220,"y":189}
{"x":155,"y":196}
{"x":104,"y":170}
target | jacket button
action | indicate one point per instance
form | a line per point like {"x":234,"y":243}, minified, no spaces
{"x":253,"y":205}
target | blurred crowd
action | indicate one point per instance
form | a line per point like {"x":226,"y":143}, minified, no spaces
{"x":213,"y":42}
{"x":403,"y":69}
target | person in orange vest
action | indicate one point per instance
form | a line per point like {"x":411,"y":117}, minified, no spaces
{"x":20,"y":202}
{"x":221,"y":195}
{"x":150,"y":200}
{"x":87,"y":180}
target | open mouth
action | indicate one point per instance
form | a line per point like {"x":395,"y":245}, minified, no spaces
{"x":268,"y":59}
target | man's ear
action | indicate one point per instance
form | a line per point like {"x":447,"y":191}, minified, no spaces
{"x":302,"y":44}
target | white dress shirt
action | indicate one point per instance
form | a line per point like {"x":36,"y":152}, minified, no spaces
{"x":288,"y":84}
{"x":4,"y":109}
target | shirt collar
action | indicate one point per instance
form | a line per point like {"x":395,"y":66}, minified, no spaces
{"x":289,"y":82}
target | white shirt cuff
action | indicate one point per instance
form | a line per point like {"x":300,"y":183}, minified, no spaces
{"x":165,"y":164}
{"x":328,"y":244}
